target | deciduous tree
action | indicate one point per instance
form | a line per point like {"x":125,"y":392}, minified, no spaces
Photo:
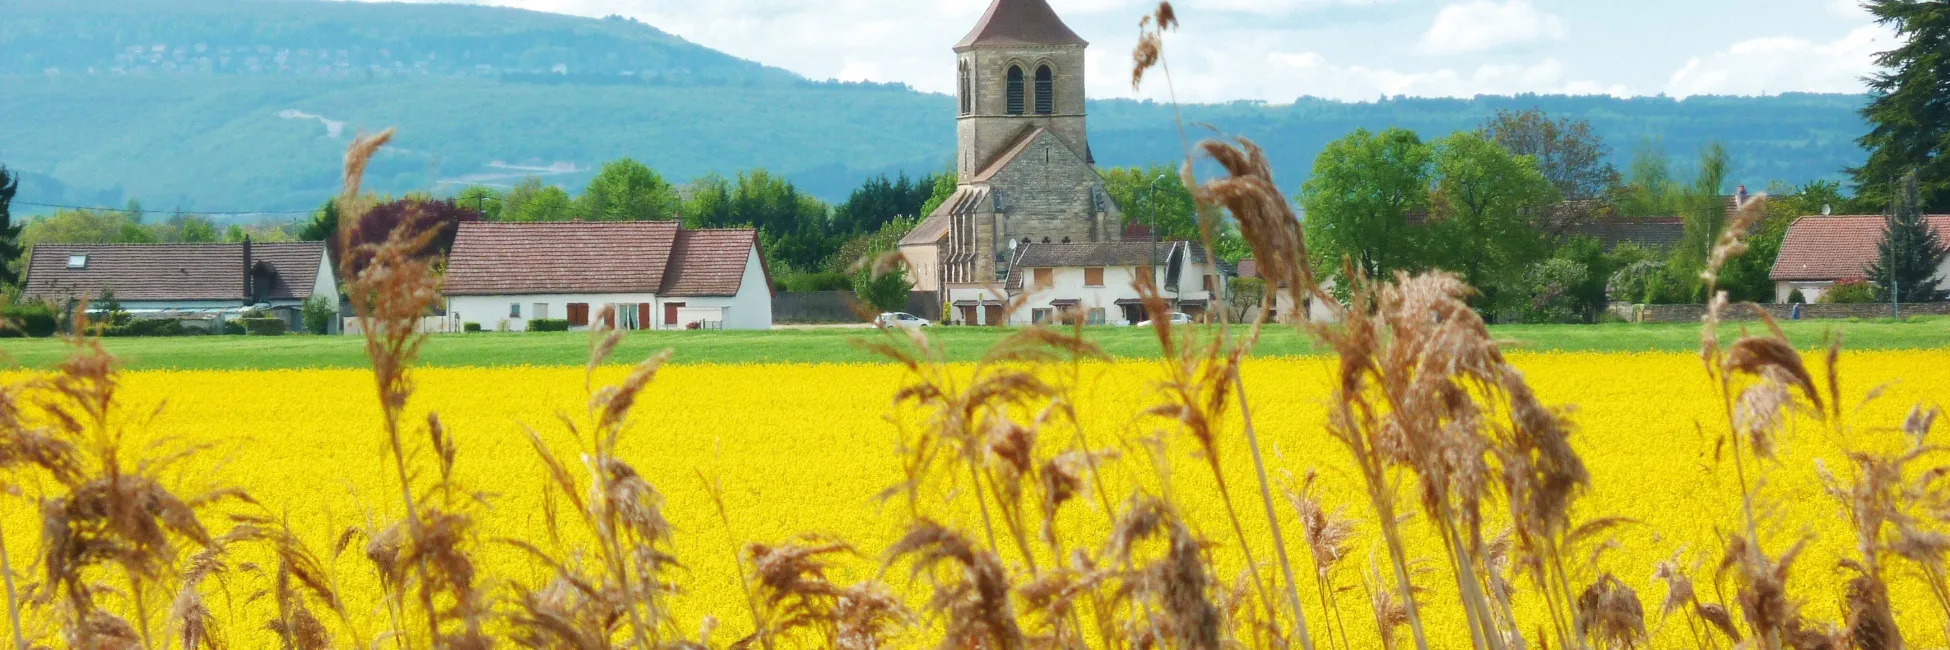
{"x":627,"y":190}
{"x":1482,"y":198}
{"x":1357,"y":203}
{"x":1568,"y":154}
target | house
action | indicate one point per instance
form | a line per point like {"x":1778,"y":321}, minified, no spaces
{"x":192,"y":282}
{"x":659,"y":276}
{"x":1056,"y":283}
{"x":1027,"y":175}
{"x":1283,"y":311}
{"x":1821,"y":250}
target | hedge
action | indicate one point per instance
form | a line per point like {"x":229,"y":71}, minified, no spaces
{"x":548,"y":325}
{"x":28,"y":320}
{"x":263,"y":326}
{"x":148,"y":327}
{"x":470,"y":327}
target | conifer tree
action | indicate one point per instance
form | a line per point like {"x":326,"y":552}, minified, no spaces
{"x":1910,"y":122}
{"x":1910,"y":252}
{"x":9,"y":233}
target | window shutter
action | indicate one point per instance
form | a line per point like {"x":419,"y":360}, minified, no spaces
{"x":1045,"y":277}
{"x":1015,"y":90}
{"x":1093,"y":277}
{"x":579,"y":314}
{"x":1045,"y":91}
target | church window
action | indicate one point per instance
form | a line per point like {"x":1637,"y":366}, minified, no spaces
{"x":1045,"y":91}
{"x":1015,"y":90}
{"x":967,"y":91}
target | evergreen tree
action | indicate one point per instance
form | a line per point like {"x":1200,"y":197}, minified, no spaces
{"x":324,"y":223}
{"x":1911,"y":122}
{"x":9,"y":233}
{"x":1910,"y":252}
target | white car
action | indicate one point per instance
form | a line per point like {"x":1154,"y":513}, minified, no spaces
{"x":901,"y":319}
{"x":1177,"y":318}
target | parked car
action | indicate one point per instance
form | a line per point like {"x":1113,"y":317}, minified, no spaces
{"x":1177,"y":318}
{"x":901,"y":319}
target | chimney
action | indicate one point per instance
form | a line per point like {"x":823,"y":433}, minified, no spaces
{"x":250,"y":291}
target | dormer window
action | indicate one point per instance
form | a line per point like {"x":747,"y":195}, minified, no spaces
{"x":1045,"y":91}
{"x":1015,"y":90}
{"x":77,"y":261}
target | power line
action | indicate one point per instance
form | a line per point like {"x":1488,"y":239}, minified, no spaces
{"x":182,"y":212}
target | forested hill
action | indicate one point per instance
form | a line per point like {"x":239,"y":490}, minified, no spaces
{"x":248,"y":104}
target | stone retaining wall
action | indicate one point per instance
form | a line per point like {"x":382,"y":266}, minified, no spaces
{"x":1693,"y":313}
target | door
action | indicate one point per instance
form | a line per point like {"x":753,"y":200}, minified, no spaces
{"x":992,"y":314}
{"x":670,"y":313}
{"x":643,"y":315}
{"x":968,"y":315}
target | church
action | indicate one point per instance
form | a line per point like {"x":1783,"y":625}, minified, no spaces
{"x":1027,"y":177}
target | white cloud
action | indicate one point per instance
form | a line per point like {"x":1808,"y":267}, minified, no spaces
{"x":1483,"y":25}
{"x":1777,"y":64}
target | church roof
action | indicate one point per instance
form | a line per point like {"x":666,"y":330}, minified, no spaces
{"x":930,"y":231}
{"x":1020,"y":22}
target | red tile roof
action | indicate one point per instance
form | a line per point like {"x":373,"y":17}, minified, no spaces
{"x":500,"y":258}
{"x":710,"y":262}
{"x":1837,"y":247}
{"x":166,"y":272}
{"x":1020,"y":22}
{"x":504,"y":258}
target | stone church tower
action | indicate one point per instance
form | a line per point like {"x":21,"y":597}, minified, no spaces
{"x":1022,"y":153}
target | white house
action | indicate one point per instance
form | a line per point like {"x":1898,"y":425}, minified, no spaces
{"x":1095,"y":282}
{"x":1283,"y":311}
{"x":1821,"y":250}
{"x":658,"y":275}
{"x":191,"y":282}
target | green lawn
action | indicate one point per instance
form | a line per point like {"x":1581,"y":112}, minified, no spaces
{"x":837,"y":345}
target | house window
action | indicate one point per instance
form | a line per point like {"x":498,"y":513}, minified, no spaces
{"x":1015,"y":90}
{"x":1045,"y":278}
{"x":1045,"y":91}
{"x":77,"y":261}
{"x":541,"y":310}
{"x":1093,"y":277}
{"x":579,"y":314}
{"x":514,"y":310}
{"x":1096,"y":316}
{"x":1040,"y":316}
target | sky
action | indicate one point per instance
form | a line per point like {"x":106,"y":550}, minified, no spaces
{"x":1280,"y":50}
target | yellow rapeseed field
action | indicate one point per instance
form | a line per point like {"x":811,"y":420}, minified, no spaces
{"x":806,"y":448}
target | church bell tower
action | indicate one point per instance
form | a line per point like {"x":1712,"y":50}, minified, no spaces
{"x":1019,"y":67}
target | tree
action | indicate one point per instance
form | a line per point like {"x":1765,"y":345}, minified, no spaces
{"x":482,"y":199}
{"x":1910,"y":122}
{"x":235,"y":233}
{"x":627,"y":190}
{"x":1910,"y":253}
{"x":1649,"y":190}
{"x":1481,"y":199}
{"x":1552,"y":287}
{"x":1153,"y":196}
{"x":10,"y":248}
{"x":880,"y":200}
{"x":883,"y":292}
{"x":1357,"y":203}
{"x":416,"y":213}
{"x":945,"y":184}
{"x":532,"y":200}
{"x":84,"y":227}
{"x":1567,"y":153}
{"x":1243,"y":295}
{"x":1705,"y":211}
{"x":324,"y":224}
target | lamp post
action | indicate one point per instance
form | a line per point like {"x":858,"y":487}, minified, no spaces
{"x":1151,"y":211}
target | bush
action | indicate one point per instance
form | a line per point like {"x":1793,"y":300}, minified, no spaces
{"x":1552,"y":287}
{"x":470,"y":327}
{"x":1849,"y":291}
{"x":263,"y":326}
{"x":147,"y":327}
{"x":1795,"y":297}
{"x":318,"y":313}
{"x":233,"y":327}
{"x":548,"y":325}
{"x":28,"y":320}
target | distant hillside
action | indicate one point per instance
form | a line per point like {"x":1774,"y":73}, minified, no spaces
{"x":248,"y":104}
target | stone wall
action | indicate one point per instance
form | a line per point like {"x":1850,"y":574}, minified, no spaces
{"x":989,"y":129}
{"x":841,"y":307}
{"x":1047,"y":192}
{"x":1693,"y":313}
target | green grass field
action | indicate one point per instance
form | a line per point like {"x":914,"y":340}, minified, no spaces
{"x":838,"y":345}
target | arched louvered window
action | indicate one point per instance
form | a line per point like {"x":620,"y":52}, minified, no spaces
{"x":1045,"y":91}
{"x":1015,"y":90}
{"x":967,"y":91}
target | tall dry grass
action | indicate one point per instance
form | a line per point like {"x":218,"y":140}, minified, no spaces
{"x":1442,"y":430}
